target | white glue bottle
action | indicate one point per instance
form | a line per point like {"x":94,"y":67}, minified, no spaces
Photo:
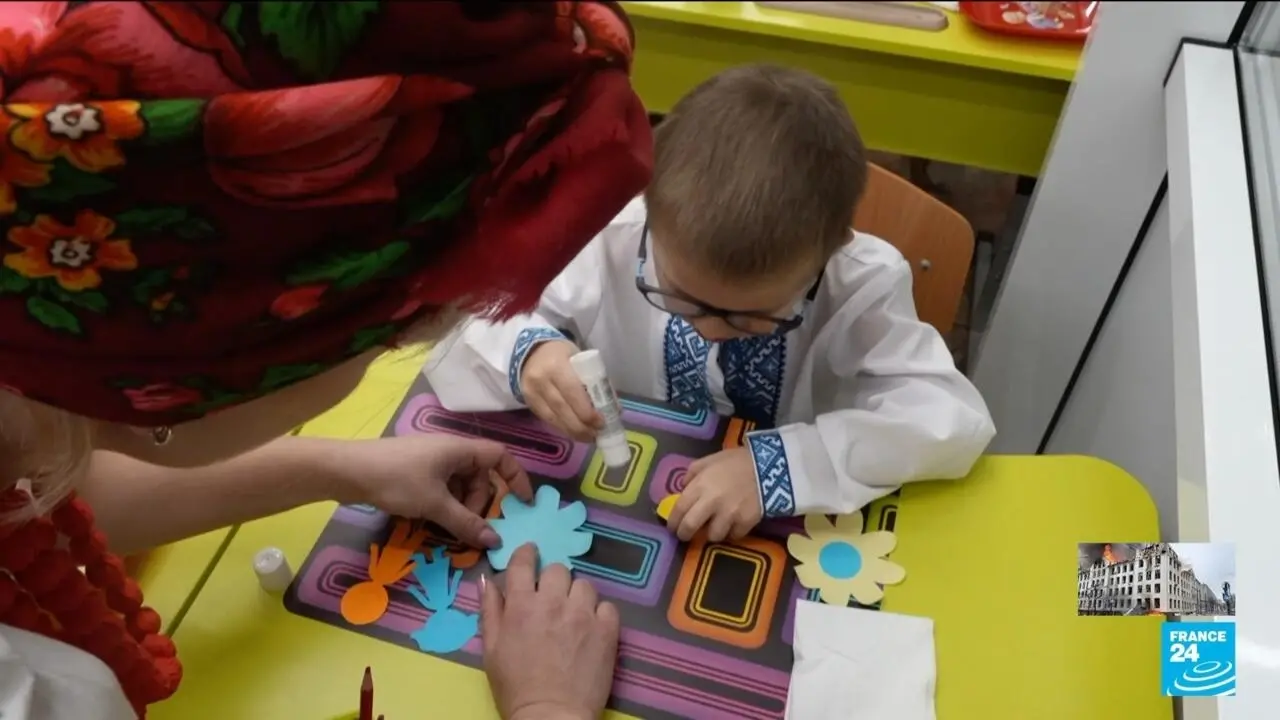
{"x":272,"y":569}
{"x":612,"y":438}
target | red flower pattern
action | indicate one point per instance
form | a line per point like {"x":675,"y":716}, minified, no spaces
{"x":159,"y":397}
{"x":343,"y":142}
{"x":242,"y":142}
{"x":297,"y":302}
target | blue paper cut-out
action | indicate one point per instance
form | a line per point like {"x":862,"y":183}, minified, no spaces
{"x":447,"y":630}
{"x":840,"y":560}
{"x":439,"y":590}
{"x":554,"y":529}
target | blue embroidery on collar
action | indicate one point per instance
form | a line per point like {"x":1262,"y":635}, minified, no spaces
{"x":684,"y":355}
{"x":526,"y":341}
{"x":753,"y":371}
{"x":773,"y":473}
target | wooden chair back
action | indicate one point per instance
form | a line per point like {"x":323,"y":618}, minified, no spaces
{"x":935,"y":239}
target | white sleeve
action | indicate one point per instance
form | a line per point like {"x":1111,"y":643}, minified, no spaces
{"x":911,"y":415}
{"x":43,"y":679}
{"x":477,"y":367}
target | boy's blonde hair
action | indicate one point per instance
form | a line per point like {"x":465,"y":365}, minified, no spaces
{"x":756,"y":170}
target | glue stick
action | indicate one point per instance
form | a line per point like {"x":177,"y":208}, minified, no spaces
{"x":612,"y":439}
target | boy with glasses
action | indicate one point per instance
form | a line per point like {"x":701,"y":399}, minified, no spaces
{"x":736,"y":284}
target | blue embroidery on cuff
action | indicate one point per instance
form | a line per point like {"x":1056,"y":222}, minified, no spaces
{"x":773,"y":472}
{"x":526,"y":341}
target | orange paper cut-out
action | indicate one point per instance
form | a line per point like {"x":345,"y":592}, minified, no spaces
{"x":365,"y":602}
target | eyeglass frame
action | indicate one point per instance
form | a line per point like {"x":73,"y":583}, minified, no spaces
{"x":782,"y":325}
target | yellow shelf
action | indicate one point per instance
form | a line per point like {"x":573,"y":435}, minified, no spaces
{"x":960,"y":44}
{"x":959,"y":96}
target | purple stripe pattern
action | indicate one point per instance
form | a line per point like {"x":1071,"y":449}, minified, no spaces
{"x":669,"y":476}
{"x":541,"y":450}
{"x":696,"y":424}
{"x":363,"y":516}
{"x":658,"y":546}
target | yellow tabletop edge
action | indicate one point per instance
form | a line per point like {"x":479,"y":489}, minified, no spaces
{"x":960,"y":44}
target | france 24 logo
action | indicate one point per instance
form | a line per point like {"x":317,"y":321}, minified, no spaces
{"x":1198,"y":659}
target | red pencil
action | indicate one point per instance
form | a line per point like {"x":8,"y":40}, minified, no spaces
{"x":366,"y":695}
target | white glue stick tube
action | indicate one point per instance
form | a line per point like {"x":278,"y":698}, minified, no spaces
{"x":612,"y":438}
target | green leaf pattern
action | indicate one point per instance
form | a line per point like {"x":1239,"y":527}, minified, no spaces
{"x":313,"y":36}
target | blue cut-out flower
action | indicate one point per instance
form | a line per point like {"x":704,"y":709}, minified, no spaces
{"x":555,"y":530}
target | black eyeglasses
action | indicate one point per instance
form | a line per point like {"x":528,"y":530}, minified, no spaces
{"x":747,"y":322}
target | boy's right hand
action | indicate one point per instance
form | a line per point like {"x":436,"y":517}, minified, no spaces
{"x":553,"y":391}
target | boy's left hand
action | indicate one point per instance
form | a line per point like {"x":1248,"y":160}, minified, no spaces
{"x":720,"y":494}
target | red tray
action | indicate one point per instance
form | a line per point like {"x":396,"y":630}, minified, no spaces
{"x":1049,"y":20}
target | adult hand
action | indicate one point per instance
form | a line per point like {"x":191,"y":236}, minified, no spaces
{"x":554,"y":392}
{"x":549,"y":646}
{"x":721,"y":494}
{"x":446,"y":479}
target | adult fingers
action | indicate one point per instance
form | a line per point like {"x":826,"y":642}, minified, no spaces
{"x":555,"y":580}
{"x":522,"y":571}
{"x":476,"y":492}
{"x":513,"y":475}
{"x":478,"y":458}
{"x":491,"y":606}
{"x":695,"y":518}
{"x":583,"y":593}
{"x":464,"y":524}
{"x":610,"y":624}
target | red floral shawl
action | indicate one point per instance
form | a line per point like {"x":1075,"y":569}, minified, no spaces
{"x":202,"y":202}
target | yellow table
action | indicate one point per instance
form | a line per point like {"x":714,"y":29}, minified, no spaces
{"x":170,"y":576}
{"x":961,"y":95}
{"x":991,"y":558}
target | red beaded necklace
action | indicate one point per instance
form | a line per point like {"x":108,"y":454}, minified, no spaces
{"x":99,"y":610}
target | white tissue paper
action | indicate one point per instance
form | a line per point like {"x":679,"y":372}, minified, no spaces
{"x":861,"y":665}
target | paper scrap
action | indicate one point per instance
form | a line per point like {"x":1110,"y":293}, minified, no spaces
{"x":854,"y":663}
{"x":555,"y":530}
{"x":666,"y":505}
{"x":365,"y":602}
{"x":841,"y":562}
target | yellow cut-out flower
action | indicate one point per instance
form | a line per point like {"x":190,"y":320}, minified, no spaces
{"x":841,"y":562}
